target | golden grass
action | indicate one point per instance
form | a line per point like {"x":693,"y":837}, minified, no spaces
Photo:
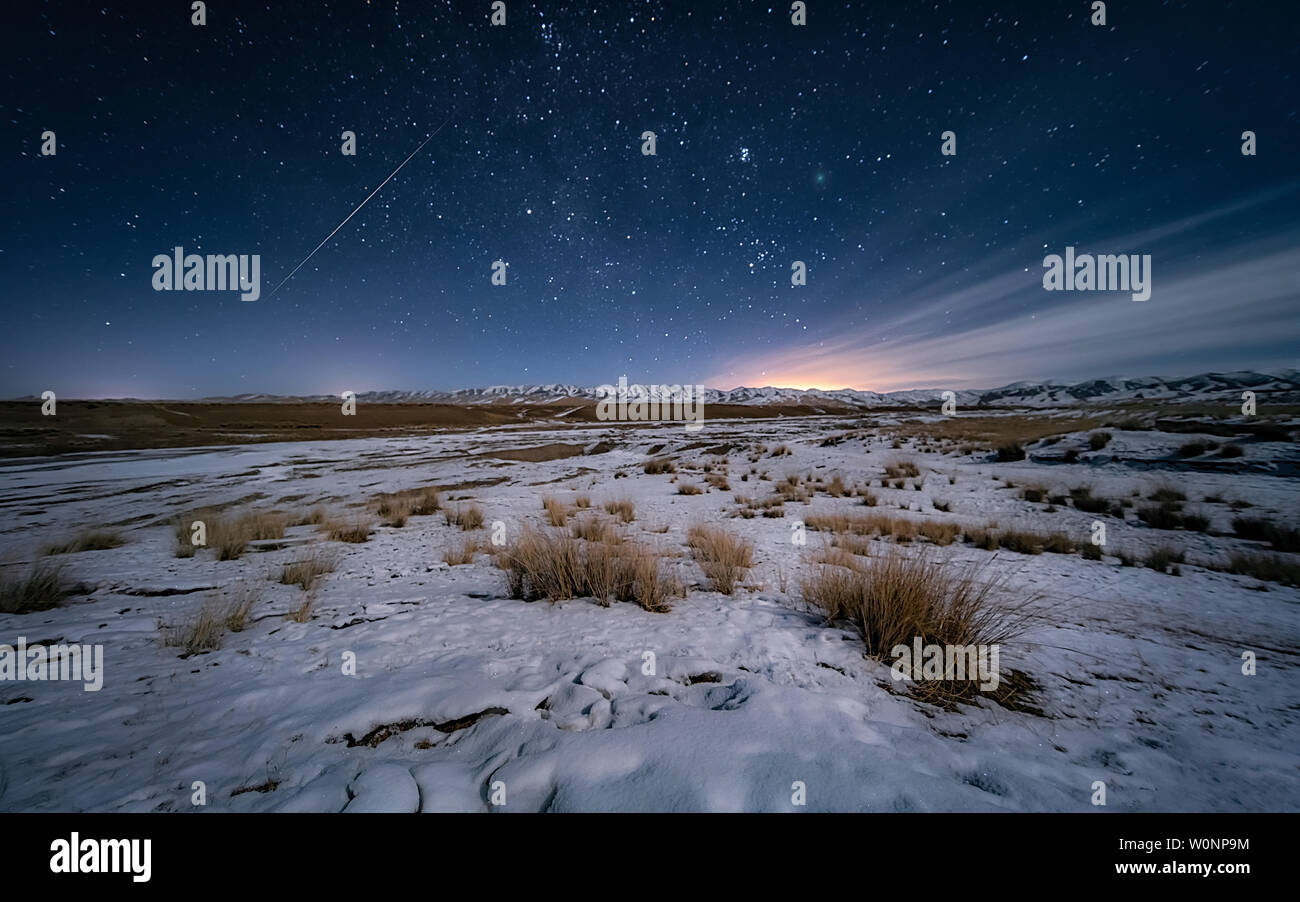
{"x":236,"y":611}
{"x":557,"y":512}
{"x":837,"y":556}
{"x":1021,"y":541}
{"x":306,"y":569}
{"x":897,"y":469}
{"x":465,"y":553}
{"x":939,"y":532}
{"x":354,"y":531}
{"x":205,"y":628}
{"x":864,"y":525}
{"x":314,"y":517}
{"x":202,"y":632}
{"x":622,"y":508}
{"x":181,"y":528}
{"x":854,"y":544}
{"x":87,"y":540}
{"x":396,"y":507}
{"x":594,"y":528}
{"x":466,"y":516}
{"x":557,"y":566}
{"x":723,"y":557}
{"x":394,"y":513}
{"x":899,"y":596}
{"x":301,"y":613}
{"x":230,"y":535}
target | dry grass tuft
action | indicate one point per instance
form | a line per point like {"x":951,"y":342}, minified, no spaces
{"x":304,"y":571}
{"x":983,"y":537}
{"x":314,"y":517}
{"x":202,"y":632}
{"x":230,"y":535}
{"x":898,"y":469}
{"x":466,"y":516}
{"x":1270,"y":567}
{"x":236,"y":611}
{"x":556,"y":566}
{"x":1021,"y":541}
{"x":394,"y":512}
{"x":354,"y":531}
{"x":427,"y":501}
{"x":900,"y":528}
{"x":205,"y":628}
{"x":40,"y":589}
{"x":594,"y":528}
{"x":395,"y":507}
{"x":622,"y":508}
{"x":557,"y":512}
{"x":87,"y":540}
{"x":181,"y":528}
{"x":465,"y":553}
{"x":1058,"y":543}
{"x":837,"y":556}
{"x":900,"y":596}
{"x":723,"y":557}
{"x":1165,"y":559}
{"x":302,"y":612}
{"x":853,"y":544}
{"x":1281,"y":538}
{"x":940,"y":533}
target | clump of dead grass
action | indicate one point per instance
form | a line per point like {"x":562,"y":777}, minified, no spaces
{"x":466,"y":516}
{"x":557,"y":566}
{"x":307,"y":568}
{"x":87,"y":540}
{"x":723,"y":557}
{"x":354,"y":530}
{"x":42,"y":587}
{"x":464,"y":553}
{"x":899,"y":596}
{"x":622,"y":508}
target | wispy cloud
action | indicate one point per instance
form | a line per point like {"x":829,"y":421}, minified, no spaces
{"x":1215,"y":304}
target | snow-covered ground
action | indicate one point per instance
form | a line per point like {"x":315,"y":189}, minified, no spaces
{"x":463,"y":697}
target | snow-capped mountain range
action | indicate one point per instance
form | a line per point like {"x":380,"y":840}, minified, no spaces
{"x":1280,"y":386}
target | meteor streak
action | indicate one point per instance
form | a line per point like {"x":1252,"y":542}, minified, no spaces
{"x":359,"y":206}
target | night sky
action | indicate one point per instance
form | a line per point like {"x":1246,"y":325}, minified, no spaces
{"x":776,"y":143}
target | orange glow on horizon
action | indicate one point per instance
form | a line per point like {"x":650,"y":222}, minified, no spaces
{"x":803,"y":378}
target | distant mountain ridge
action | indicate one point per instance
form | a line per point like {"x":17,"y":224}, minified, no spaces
{"x":1280,"y":386}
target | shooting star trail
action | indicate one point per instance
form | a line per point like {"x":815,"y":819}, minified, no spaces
{"x":359,"y":206}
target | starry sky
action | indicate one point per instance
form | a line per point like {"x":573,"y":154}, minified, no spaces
{"x":775,"y":143}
